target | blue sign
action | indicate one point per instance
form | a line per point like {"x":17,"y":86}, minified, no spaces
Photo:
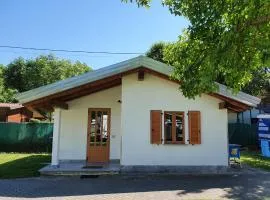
{"x":264,"y":128}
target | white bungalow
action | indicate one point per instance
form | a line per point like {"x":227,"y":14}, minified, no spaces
{"x":131,"y":113}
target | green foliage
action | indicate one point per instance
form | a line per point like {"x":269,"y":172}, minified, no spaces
{"x":6,"y":94}
{"x":156,"y":51}
{"x":145,"y":3}
{"x":228,"y":39}
{"x":258,"y":86}
{"x":25,"y":75}
{"x":260,"y":83}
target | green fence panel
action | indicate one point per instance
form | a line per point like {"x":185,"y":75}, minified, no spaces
{"x":26,"y":137}
{"x":243,"y":134}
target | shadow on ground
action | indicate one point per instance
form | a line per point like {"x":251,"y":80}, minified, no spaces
{"x":231,"y":186}
{"x":22,"y":165}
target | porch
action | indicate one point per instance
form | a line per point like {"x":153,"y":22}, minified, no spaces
{"x":81,"y":168}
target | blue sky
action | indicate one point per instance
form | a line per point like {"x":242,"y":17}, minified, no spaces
{"x":92,"y":25}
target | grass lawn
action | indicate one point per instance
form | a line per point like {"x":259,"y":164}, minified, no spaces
{"x":18,"y":165}
{"x":254,"y":159}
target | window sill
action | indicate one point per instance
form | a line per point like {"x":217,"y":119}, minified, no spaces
{"x":174,"y":142}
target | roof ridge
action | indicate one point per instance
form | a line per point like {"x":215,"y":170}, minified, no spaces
{"x":80,"y":76}
{"x":117,"y":68}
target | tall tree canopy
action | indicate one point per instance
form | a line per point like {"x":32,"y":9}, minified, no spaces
{"x":156,"y":51}
{"x":6,"y":94}
{"x":24,"y":75}
{"x":258,"y":86}
{"x":228,"y":38}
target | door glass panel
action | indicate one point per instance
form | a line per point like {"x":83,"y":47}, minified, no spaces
{"x":104,"y":128}
{"x":179,"y":128}
{"x":168,"y":127}
{"x":98,"y":128}
{"x":93,"y":128}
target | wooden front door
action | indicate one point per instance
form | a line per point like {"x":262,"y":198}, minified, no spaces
{"x":98,"y":135}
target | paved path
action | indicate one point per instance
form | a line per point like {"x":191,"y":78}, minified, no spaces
{"x":150,"y":187}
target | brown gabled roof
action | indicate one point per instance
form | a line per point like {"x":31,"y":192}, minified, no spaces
{"x":58,"y":93}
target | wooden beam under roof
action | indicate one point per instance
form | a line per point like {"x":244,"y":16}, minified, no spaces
{"x":227,"y":105}
{"x":112,"y":81}
{"x":236,"y":105}
{"x":60,"y":104}
{"x":140,"y":75}
{"x":64,"y":94}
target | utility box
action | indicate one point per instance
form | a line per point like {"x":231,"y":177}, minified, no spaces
{"x":264,"y":133}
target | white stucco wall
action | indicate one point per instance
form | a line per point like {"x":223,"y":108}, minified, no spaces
{"x":131,"y":121}
{"x":154,"y":93}
{"x":73,"y":131}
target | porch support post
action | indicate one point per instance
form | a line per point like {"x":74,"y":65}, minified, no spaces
{"x":56,"y":134}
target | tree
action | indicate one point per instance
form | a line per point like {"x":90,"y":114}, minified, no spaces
{"x":24,"y":75}
{"x":156,"y":51}
{"x":258,"y":86}
{"x":6,"y":94}
{"x":225,"y":38}
{"x":260,"y":83}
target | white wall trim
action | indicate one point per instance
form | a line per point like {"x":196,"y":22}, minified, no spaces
{"x":56,"y":135}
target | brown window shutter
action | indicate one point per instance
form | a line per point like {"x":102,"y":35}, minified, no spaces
{"x":155,"y":127}
{"x":194,"y":125}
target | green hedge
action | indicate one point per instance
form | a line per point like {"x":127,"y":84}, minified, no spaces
{"x":26,"y":137}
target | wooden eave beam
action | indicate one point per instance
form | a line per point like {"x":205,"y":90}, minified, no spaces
{"x":226,"y":105}
{"x":140,"y":75}
{"x":92,"y":90}
{"x":44,"y":107}
{"x":230,"y":101}
{"x":223,"y":105}
{"x":109,"y":82}
{"x":89,"y":86}
{"x":235,"y":109}
{"x":60,"y":104}
{"x":149,"y":71}
{"x":47,"y":99}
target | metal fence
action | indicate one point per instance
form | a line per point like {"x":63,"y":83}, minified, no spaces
{"x":243,"y":134}
{"x":26,"y":137}
{"x":37,"y":137}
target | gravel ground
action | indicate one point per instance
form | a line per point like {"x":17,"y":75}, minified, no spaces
{"x":249,"y":186}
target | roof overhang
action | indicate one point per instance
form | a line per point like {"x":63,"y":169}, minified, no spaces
{"x":7,"y":111}
{"x":22,"y":110}
{"x":58,"y":93}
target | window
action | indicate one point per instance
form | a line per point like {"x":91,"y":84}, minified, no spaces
{"x":174,"y":127}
